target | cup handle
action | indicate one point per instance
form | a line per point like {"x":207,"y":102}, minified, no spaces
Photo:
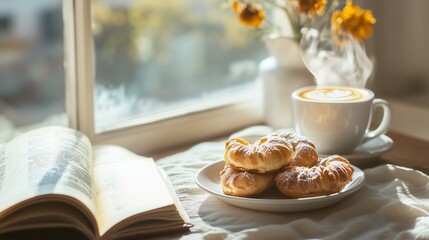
{"x":384,"y":125}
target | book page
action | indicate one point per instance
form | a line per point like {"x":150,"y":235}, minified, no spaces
{"x":2,"y":164}
{"x":40,"y":217}
{"x":52,"y":160}
{"x":126,"y":185}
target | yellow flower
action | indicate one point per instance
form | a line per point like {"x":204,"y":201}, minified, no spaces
{"x":352,"y":20}
{"x":312,"y":7}
{"x":250,"y":14}
{"x":236,"y":6}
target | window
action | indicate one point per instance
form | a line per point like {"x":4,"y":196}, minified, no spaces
{"x":165,"y":72}
{"x":159,"y":59}
{"x":32,"y":86}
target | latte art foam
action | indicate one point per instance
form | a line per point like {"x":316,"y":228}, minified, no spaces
{"x":334,"y":94}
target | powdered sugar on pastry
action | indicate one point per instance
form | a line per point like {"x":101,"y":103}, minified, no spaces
{"x":305,"y":153}
{"x":238,"y":183}
{"x":267,"y":155}
{"x":330,"y":176}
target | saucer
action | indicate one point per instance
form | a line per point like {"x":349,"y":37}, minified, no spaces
{"x":370,"y":150}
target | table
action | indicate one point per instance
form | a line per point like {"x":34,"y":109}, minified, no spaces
{"x":408,"y":152}
{"x":215,"y":219}
{"x":376,"y":211}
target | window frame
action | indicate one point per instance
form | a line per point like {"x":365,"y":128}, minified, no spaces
{"x":142,"y":138}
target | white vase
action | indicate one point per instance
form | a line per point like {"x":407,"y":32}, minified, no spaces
{"x":281,"y":74}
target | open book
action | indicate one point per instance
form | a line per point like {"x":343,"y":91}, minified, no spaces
{"x":53,"y":178}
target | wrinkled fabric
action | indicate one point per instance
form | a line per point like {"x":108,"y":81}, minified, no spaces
{"x":393,"y":204}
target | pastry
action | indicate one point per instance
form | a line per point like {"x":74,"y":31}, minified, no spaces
{"x":268,"y":154}
{"x":271,"y":153}
{"x":244,"y":184}
{"x":330,"y":176}
{"x":305,"y":153}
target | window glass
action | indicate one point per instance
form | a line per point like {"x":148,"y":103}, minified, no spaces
{"x":32,"y":83}
{"x":156,"y":59}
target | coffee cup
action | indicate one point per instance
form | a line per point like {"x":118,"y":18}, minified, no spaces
{"x":337,"y":119}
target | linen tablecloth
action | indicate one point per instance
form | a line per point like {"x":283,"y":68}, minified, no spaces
{"x":393,"y":204}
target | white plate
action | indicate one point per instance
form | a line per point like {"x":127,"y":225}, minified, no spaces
{"x":208,"y":179}
{"x":370,"y":150}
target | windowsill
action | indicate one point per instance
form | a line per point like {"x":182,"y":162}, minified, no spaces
{"x":195,"y":127}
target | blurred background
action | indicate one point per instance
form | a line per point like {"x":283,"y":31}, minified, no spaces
{"x":400,"y":48}
{"x":150,"y":57}
{"x":31,"y":65}
{"x":155,"y":56}
{"x":401,"y":57}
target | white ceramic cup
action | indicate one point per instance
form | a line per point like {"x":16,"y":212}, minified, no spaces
{"x":337,"y":119}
